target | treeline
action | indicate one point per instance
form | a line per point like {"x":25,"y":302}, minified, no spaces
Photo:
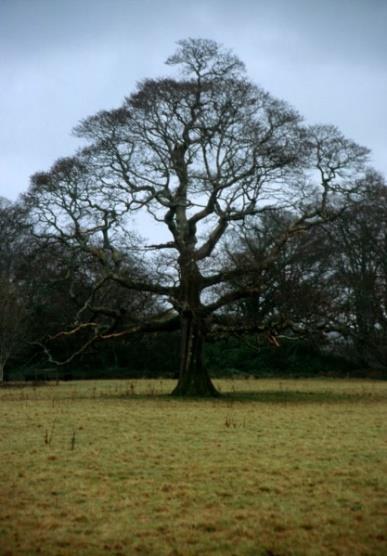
{"x":329,"y":283}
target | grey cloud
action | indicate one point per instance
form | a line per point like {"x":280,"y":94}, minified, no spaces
{"x":63,"y":60}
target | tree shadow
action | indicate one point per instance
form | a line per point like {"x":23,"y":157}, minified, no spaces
{"x":271,"y":396}
{"x":300,"y":396}
{"x":280,"y":396}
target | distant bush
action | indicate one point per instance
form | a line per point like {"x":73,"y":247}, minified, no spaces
{"x":291,"y":358}
{"x":157,"y":355}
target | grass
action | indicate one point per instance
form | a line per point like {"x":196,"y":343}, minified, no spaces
{"x":273,"y":468}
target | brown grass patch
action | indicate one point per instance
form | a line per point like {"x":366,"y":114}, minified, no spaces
{"x":280,"y":468}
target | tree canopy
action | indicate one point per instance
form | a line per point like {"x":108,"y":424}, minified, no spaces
{"x":209,"y":156}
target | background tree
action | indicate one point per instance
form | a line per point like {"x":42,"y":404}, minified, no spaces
{"x":13,"y":322}
{"x":201,"y":154}
{"x":292,"y":300}
{"x":13,"y":308}
{"x":358,"y":243}
{"x":46,"y":285}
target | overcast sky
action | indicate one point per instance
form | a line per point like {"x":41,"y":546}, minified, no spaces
{"x":62,"y":60}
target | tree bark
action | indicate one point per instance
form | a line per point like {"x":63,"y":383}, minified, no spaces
{"x":193,"y":379}
{"x":2,"y":376}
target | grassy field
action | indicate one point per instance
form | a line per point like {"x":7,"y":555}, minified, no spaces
{"x":273,"y":468}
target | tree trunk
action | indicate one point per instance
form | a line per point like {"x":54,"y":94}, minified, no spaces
{"x":193,"y":377}
{"x":2,"y":372}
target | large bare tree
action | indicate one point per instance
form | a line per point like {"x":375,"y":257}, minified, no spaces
{"x":201,"y":153}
